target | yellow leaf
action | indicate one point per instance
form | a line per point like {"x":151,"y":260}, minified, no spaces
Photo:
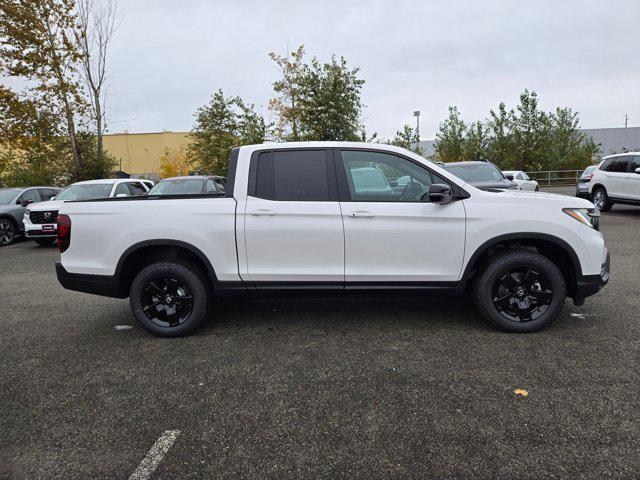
{"x":520,"y":391}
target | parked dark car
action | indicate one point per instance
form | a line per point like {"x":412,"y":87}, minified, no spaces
{"x":480,"y":174}
{"x":582,"y":185}
{"x":13,"y":202}
{"x":189,"y":185}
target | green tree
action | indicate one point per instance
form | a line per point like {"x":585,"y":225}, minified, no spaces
{"x":501,"y":149}
{"x":224,"y":123}
{"x":450,"y":139}
{"x":476,"y":141}
{"x":407,"y":138}
{"x":330,"y":104}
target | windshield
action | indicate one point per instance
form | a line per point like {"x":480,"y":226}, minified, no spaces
{"x":590,"y":169}
{"x":87,"y":191}
{"x":7,"y":194}
{"x":476,"y":172}
{"x":186,"y":186}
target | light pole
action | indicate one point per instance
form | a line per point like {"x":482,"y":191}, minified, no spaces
{"x":417,"y":115}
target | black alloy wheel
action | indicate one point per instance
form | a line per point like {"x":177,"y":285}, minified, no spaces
{"x":167,"y":301}
{"x":7,"y":232}
{"x":522,"y":294}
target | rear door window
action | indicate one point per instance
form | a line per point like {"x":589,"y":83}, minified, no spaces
{"x":122,"y":189}
{"x":292,"y":175}
{"x":47,"y":194}
{"x":136,"y":189}
{"x":620,"y":165}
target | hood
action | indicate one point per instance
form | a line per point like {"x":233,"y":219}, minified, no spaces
{"x":44,"y":206}
{"x":566,"y":200}
{"x":7,"y":208}
{"x":505,"y":184}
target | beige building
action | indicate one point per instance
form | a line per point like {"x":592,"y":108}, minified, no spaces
{"x":139,"y":153}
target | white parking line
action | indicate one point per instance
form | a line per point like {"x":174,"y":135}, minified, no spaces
{"x":155,"y":455}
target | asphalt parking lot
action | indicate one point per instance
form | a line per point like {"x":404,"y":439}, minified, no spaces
{"x":348,"y":388}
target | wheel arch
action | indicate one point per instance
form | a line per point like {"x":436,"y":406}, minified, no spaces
{"x":552,"y":247}
{"x":144,"y":253}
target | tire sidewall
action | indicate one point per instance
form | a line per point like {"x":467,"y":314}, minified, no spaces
{"x":498,"y":267}
{"x":194,"y":281}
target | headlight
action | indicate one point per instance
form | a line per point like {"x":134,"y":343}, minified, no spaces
{"x":588,"y":216}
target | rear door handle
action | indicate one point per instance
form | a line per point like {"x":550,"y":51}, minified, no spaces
{"x":362,"y":214}
{"x":262,"y":212}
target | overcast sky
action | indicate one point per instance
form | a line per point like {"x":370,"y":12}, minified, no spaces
{"x":170,"y":55}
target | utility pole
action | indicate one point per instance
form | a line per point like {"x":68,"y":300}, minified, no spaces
{"x":626,"y":121}
{"x":417,"y":115}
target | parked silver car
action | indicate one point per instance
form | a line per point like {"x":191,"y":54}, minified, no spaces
{"x":13,"y":202}
{"x":582,"y":185}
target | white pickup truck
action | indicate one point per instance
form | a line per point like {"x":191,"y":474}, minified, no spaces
{"x":334,"y":218}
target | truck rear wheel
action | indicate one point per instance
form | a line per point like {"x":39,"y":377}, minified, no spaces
{"x":170,"y":299}
{"x":520,"y":291}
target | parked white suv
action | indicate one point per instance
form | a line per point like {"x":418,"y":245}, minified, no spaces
{"x":617,"y":180}
{"x":40,"y":219}
{"x":302,"y":217}
{"x":522,"y":179}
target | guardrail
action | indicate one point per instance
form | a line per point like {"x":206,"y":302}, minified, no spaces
{"x":555,"y":177}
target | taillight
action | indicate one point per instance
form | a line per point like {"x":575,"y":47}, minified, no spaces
{"x":64,"y":232}
{"x":591,"y":176}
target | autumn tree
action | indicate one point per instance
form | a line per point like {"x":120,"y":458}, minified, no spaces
{"x":174,"y":162}
{"x":224,"y":123}
{"x":286,"y":103}
{"x":37,"y":44}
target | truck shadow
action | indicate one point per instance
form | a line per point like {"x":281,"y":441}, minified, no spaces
{"x":344,"y":313}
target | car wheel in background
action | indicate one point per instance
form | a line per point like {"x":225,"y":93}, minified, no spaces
{"x":601,"y":200}
{"x":520,"y":291}
{"x":44,"y":242}
{"x":7,"y":232}
{"x":170,"y":299}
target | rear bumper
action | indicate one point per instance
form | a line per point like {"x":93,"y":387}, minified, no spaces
{"x":104,"y":285}
{"x":587,"y":285}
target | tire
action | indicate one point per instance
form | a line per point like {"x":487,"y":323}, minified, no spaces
{"x":601,"y":199}
{"x":8,"y":232}
{"x":44,"y":242}
{"x":517,"y":284}
{"x":170,"y":299}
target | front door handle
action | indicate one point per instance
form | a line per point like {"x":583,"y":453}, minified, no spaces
{"x":362,"y":214}
{"x":262,"y":212}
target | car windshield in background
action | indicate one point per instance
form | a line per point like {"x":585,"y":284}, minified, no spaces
{"x":85,"y":192}
{"x":178,"y":187}
{"x":7,"y":194}
{"x":476,"y":172}
{"x":590,"y":169}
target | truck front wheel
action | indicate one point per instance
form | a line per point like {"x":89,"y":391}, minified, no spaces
{"x":520,"y":291}
{"x":170,"y":299}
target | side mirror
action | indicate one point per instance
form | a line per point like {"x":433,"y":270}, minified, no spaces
{"x":25,"y":202}
{"x":509,"y":177}
{"x":440,"y":193}
{"x":637,"y":170}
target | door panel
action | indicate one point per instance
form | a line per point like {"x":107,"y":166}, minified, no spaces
{"x":406,"y":242}
{"x":392,"y":232}
{"x":632,"y":182}
{"x":294,"y":241}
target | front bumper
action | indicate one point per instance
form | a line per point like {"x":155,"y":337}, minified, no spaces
{"x":587,"y":285}
{"x":37,"y":230}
